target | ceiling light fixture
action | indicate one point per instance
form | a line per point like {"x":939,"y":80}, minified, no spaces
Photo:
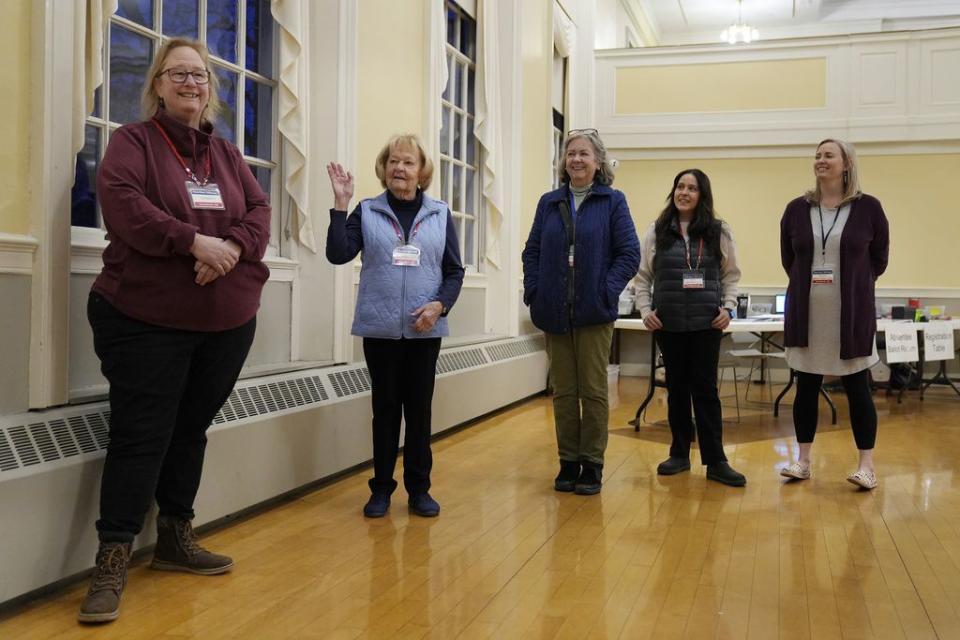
{"x":739,"y":31}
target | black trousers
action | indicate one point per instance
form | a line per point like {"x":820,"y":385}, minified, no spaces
{"x":166,"y":386}
{"x":863,"y":413}
{"x":402,"y":375}
{"x":690,"y":359}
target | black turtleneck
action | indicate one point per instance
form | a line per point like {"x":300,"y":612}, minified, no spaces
{"x":345,"y":241}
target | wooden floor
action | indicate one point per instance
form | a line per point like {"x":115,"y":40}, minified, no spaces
{"x":649,"y":557}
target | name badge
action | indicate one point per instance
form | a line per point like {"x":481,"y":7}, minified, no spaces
{"x":823,"y":275}
{"x":406,"y":256}
{"x":693,"y":279}
{"x":204,"y":197}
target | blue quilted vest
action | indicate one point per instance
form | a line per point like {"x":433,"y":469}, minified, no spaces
{"x":388,"y":294}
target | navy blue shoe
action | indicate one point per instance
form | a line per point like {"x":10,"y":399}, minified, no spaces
{"x":423,"y":505}
{"x":377,"y":506}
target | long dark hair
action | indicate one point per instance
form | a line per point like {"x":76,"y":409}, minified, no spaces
{"x":705,"y":223}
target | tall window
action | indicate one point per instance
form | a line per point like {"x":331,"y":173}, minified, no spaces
{"x":558,"y":100}
{"x":459,"y":149}
{"x":240,"y":36}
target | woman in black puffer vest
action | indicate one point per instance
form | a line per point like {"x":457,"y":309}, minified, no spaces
{"x":689,"y":265}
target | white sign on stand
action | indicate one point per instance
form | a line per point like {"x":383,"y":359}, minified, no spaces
{"x":938,"y":341}
{"x":902,"y":342}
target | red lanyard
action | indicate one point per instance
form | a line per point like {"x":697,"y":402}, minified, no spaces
{"x":687,"y":247}
{"x":399,"y":231}
{"x":190,"y":174}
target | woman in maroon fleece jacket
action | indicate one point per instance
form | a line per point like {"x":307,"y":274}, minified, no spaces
{"x":834,"y":242}
{"x":173,"y":312}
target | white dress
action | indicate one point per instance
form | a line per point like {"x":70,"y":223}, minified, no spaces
{"x":822,"y":355}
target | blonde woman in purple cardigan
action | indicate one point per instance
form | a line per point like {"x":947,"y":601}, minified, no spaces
{"x":834,"y":243}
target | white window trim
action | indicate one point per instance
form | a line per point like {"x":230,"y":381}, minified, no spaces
{"x":53,"y":40}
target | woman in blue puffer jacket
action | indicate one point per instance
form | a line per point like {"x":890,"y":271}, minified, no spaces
{"x":582,"y":251}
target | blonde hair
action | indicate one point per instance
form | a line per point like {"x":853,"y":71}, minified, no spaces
{"x":851,"y":173}
{"x":150,"y":101}
{"x":605,"y":166}
{"x":405,"y":142}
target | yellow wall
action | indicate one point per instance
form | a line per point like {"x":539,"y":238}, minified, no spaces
{"x":751,"y":193}
{"x":536,"y":134}
{"x":727,"y":86}
{"x":14,"y":116}
{"x":390,"y":80}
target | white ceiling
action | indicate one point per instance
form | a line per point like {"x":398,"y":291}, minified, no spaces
{"x":697,"y":21}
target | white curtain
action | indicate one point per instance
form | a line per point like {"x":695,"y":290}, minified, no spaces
{"x":489,"y":127}
{"x":436,"y":83}
{"x":292,"y":122}
{"x":564,"y":31}
{"x":90,"y":24}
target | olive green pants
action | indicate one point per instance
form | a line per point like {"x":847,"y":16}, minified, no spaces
{"x":578,"y":371}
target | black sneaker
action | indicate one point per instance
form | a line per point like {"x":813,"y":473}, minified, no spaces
{"x":724,"y":473}
{"x":589,"y":482}
{"x":567,"y":478}
{"x":673,"y":465}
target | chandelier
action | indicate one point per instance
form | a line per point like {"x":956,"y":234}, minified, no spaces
{"x":740,"y":31}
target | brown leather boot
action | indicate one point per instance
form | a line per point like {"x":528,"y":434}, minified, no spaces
{"x":177,"y":550}
{"x":102,"y":603}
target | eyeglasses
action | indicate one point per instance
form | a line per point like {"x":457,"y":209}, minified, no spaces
{"x":179,"y":76}
{"x":574,"y":132}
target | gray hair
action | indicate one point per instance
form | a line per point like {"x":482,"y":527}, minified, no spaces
{"x":605,"y":166}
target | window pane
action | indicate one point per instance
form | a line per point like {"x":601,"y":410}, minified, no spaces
{"x":139,"y":11}
{"x":470,"y":86}
{"x":458,"y":84}
{"x":471,"y":142}
{"x":469,"y":242}
{"x":455,"y":203}
{"x":180,"y":18}
{"x":446,"y":88}
{"x":468,"y":205}
{"x":257,"y":119}
{"x":457,"y":125}
{"x":83,"y":196}
{"x":226,"y":125}
{"x":97,"y":101}
{"x":259,"y":37}
{"x":451,"y":25}
{"x":222,"y":28}
{"x":130,"y":56}
{"x":468,"y":34}
{"x":263,"y":177}
{"x":445,"y":181}
{"x":445,"y":130}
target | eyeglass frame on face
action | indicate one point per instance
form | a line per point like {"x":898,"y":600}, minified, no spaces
{"x":192,"y":74}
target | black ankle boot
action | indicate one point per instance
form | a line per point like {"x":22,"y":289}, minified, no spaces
{"x":724,"y":473}
{"x":673,"y":465}
{"x":589,"y":481}
{"x":567,"y":478}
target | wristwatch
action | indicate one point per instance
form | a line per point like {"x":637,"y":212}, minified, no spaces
{"x":733,"y":314}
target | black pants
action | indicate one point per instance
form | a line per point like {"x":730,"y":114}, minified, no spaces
{"x":691,"y":359}
{"x":166,"y":386}
{"x":402,"y":373}
{"x":863,"y":415}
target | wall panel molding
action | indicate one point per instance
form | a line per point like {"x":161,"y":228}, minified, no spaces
{"x":880,"y":88}
{"x":17,"y":253}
